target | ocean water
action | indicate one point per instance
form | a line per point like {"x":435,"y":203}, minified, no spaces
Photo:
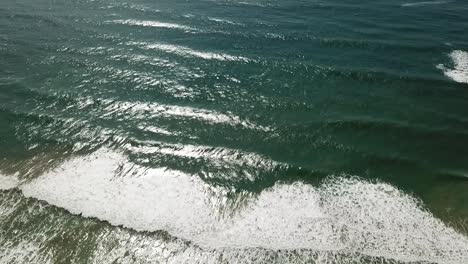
{"x":233,"y":131}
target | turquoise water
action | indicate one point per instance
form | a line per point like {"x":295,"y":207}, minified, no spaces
{"x":233,"y":131}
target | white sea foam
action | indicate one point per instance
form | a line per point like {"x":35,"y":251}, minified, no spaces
{"x":425,"y":3}
{"x":8,"y":182}
{"x":151,"y":23}
{"x":342,"y":215}
{"x":459,"y":73}
{"x":153,"y":199}
{"x":188,"y":52}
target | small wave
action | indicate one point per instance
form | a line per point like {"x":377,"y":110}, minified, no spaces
{"x":222,"y":157}
{"x":244,"y":3}
{"x":188,"y":52}
{"x":151,"y":23}
{"x":158,"y":130}
{"x":275,"y":36}
{"x":457,"y":174}
{"x":224,"y":21}
{"x":258,"y":4}
{"x":459,"y":73}
{"x":342,"y":215}
{"x":142,"y":8}
{"x":425,"y":3}
{"x":141,"y":110}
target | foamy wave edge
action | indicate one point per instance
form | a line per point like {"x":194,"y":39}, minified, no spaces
{"x":344,"y":215}
{"x":459,"y":72}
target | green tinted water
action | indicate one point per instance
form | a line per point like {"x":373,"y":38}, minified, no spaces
{"x":204,"y":131}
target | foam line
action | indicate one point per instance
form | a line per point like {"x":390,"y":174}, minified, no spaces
{"x":341,"y":215}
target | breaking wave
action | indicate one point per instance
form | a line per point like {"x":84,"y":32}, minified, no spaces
{"x":342,"y":215}
{"x":459,"y":73}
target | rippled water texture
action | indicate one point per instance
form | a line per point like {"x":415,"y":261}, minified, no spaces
{"x":222,"y":131}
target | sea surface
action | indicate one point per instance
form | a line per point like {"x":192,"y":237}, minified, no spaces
{"x":233,"y":131}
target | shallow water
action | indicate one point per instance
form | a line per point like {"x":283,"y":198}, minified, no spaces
{"x":233,"y":131}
